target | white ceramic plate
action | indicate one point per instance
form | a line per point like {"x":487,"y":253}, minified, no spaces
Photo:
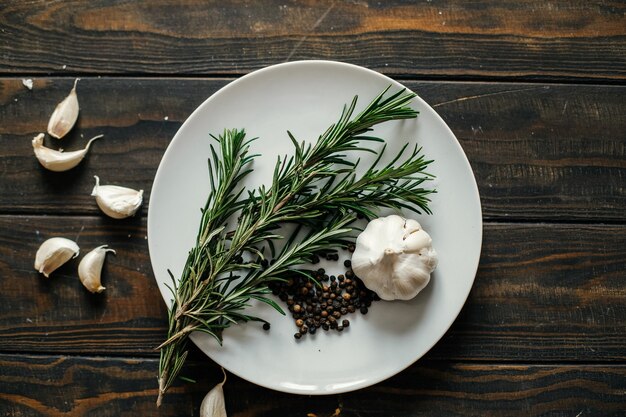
{"x":306,"y":97}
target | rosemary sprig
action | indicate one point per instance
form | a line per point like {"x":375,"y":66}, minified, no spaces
{"x":317,"y":188}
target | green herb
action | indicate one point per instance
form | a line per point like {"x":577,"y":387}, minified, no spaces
{"x":317,"y":189}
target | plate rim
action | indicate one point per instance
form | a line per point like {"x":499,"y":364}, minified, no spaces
{"x":475,"y":191}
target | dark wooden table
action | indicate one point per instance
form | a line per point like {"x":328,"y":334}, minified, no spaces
{"x":534,"y":90}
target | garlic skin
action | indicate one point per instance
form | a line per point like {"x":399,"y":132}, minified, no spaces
{"x":213,"y":404}
{"x":117,"y":202}
{"x":65,"y":115}
{"x":53,"y":253}
{"x":59,"y":161}
{"x":394,"y":257}
{"x":28,"y":83}
{"x":90,"y":269}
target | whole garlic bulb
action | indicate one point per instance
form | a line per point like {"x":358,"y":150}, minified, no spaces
{"x":53,"y":253}
{"x":394,"y":257}
{"x":115,"y":201}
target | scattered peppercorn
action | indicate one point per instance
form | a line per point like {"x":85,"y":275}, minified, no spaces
{"x":314,"y":305}
{"x":266,"y":326}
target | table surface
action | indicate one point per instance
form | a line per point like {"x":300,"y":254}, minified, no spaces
{"x":534,"y":90}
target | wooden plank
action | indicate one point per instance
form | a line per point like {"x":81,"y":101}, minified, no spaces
{"x":539,"y":152}
{"x":528,"y":39}
{"x":80,"y":386}
{"x":542,"y":293}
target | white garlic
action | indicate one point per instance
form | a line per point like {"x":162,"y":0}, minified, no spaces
{"x":117,"y":202}
{"x":394,"y":257}
{"x":90,"y":268}
{"x":59,"y":161}
{"x":213,"y":404}
{"x":53,"y":253}
{"x":65,"y":115}
{"x":28,"y":83}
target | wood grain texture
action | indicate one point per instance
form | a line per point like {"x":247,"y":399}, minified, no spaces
{"x":528,"y":39}
{"x":86,"y":386}
{"x":542,"y":293}
{"x":539,"y":152}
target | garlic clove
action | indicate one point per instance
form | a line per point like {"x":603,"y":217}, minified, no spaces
{"x":65,"y":115}
{"x":59,"y":161}
{"x":213,"y":404}
{"x":117,"y":202}
{"x":28,"y":83}
{"x":53,"y":253}
{"x":90,"y":269}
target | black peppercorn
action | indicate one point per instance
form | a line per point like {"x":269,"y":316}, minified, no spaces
{"x":297,"y":335}
{"x":347,"y":263}
{"x":345,"y":323}
{"x":266,"y":326}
